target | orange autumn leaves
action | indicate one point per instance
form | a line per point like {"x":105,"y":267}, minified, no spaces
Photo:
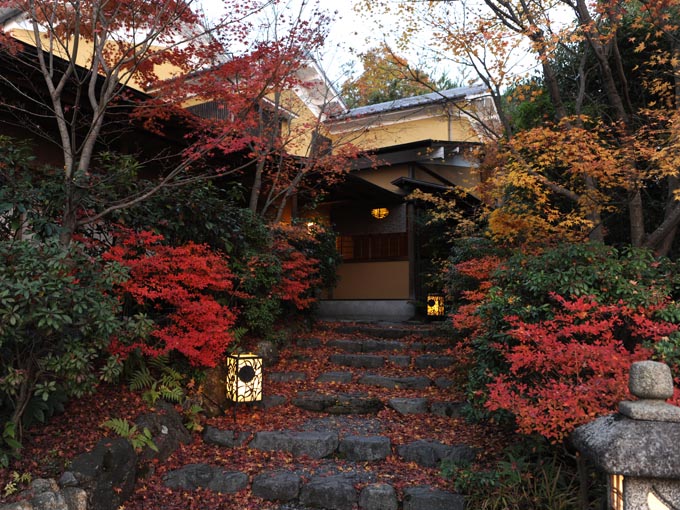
{"x":551,"y":181}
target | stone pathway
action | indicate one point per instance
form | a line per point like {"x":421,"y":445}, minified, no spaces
{"x":346,"y":434}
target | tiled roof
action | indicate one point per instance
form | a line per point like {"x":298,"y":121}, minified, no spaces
{"x":415,"y":101}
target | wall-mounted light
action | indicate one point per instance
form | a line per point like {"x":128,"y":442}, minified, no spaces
{"x":380,"y":213}
{"x":244,"y":377}
{"x":435,"y":305}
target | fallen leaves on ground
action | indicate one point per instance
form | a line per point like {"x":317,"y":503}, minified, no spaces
{"x":49,"y":448}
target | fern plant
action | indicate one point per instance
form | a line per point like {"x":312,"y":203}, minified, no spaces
{"x":137,"y":438}
{"x":167,"y":386}
{"x":18,"y":481}
{"x":155,"y":378}
{"x":192,"y":418}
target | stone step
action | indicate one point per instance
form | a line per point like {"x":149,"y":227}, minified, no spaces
{"x":315,"y":445}
{"x":357,"y":360}
{"x":205,"y":476}
{"x":433,"y":361}
{"x":319,"y":444}
{"x":405,"y":383}
{"x":420,"y":405}
{"x":365,"y":449}
{"x":346,"y":377}
{"x":360,"y":403}
{"x":338,"y":492}
{"x":358,"y":346}
{"x":326,"y":492}
{"x":388,"y":332}
{"x":410,"y":405}
{"x":431,"y":453}
{"x":334,"y":377}
{"x":285,"y":376}
{"x":422,"y":362}
{"x":373,"y":346}
{"x":340,"y":403}
{"x":326,"y":489}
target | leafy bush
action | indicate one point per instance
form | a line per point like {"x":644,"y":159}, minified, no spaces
{"x":567,"y":370}
{"x":523,"y":478}
{"x":285,"y":280}
{"x":57,"y":318}
{"x":203,"y":214}
{"x":28,"y":195}
{"x":277,"y":270}
{"x":294,"y":246}
{"x":556,"y":332}
{"x":180,"y":289}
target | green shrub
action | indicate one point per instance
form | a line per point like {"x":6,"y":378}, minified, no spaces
{"x":57,"y":318}
{"x":201,"y":213}
{"x":29,"y":196}
{"x":529,"y":475}
{"x":627,"y":284}
{"x":633,"y":275}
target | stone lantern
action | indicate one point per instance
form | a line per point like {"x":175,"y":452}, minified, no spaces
{"x":639,"y":448}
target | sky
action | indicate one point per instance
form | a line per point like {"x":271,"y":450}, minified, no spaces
{"x":350,"y":33}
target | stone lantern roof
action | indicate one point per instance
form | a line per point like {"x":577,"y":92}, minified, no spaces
{"x":639,"y":448}
{"x":643,"y":440}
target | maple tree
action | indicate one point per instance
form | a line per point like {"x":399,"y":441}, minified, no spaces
{"x":299,"y":273}
{"x":178,"y":288}
{"x":284,"y":278}
{"x":592,"y":60}
{"x":83,"y":74}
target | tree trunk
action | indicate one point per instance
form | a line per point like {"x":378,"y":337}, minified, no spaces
{"x":23,"y":399}
{"x":257,"y":187}
{"x":663,"y":248}
{"x":636,"y":218}
{"x":662,"y":231}
{"x":600,"y":51}
{"x":597,"y":234}
{"x":553,"y":87}
{"x":69,"y":219}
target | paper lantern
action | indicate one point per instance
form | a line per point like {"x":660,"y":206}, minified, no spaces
{"x":435,"y":305}
{"x":244,"y":377}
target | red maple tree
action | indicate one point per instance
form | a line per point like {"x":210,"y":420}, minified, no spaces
{"x":181,"y":286}
{"x":98,"y":69}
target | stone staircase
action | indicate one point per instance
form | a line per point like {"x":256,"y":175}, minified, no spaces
{"x":371,"y":413}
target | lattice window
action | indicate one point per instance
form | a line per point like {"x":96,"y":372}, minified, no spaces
{"x":373,"y":247}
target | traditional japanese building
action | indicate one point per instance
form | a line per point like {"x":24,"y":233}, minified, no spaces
{"x":423,"y":143}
